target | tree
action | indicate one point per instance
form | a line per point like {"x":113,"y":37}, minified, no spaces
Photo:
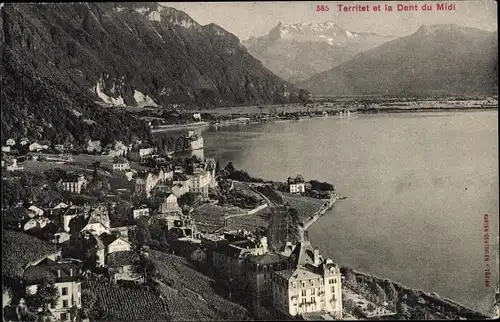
{"x":217,"y":167}
{"x":142,"y":235}
{"x":145,"y":268}
{"x":89,"y":299}
{"x":46,"y":295}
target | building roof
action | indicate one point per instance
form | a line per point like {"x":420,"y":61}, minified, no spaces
{"x":267,"y":259}
{"x":122,"y":258}
{"x":108,"y":239}
{"x":298,"y":274}
{"x":302,"y":255}
{"x":49,"y":269}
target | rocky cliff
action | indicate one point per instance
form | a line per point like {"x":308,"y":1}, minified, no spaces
{"x":59,"y":59}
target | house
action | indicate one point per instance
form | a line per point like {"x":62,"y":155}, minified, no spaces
{"x":229,"y":260}
{"x":140,"y":211}
{"x":178,"y":169}
{"x":145,"y":182}
{"x":183,"y":182}
{"x":60,"y":237}
{"x":37,"y":211}
{"x":259,"y":271}
{"x":310,"y":284}
{"x":5,"y":148}
{"x":296,"y":185}
{"x":60,"y":147}
{"x":67,"y":278}
{"x":123,"y":231}
{"x":73,"y":182}
{"x":170,"y":205}
{"x":113,"y":243}
{"x":120,"y":164}
{"x":12,"y":165}
{"x":36,"y":223}
{"x":10,"y":142}
{"x":121,"y":266}
{"x":95,"y":222}
{"x":137,"y":154}
{"x":35,"y":147}
{"x":67,"y":215}
{"x":197,"y":117}
{"x":23,"y":141}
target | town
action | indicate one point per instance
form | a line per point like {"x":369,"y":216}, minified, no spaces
{"x":82,"y":230}
{"x":72,"y":227}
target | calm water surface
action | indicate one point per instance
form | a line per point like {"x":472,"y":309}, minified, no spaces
{"x":417,"y":187}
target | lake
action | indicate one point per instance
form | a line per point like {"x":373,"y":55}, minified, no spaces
{"x":417,"y":184}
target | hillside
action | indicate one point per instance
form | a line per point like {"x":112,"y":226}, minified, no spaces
{"x":298,"y":51}
{"x":59,"y":59}
{"x":437,"y":59}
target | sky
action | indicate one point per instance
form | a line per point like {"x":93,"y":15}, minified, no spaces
{"x":245,"y":19}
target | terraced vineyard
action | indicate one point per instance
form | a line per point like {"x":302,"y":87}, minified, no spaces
{"x":190,"y":291}
{"x":126,"y":304}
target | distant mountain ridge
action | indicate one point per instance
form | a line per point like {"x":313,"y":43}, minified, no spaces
{"x":435,"y":60}
{"x":297,"y":51}
{"x":123,"y":54}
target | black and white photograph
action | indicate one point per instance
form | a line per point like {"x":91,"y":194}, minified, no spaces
{"x":249,"y":161}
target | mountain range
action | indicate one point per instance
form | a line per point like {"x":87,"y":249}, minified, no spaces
{"x":298,"y":51}
{"x":435,"y":60}
{"x":60,"y":58}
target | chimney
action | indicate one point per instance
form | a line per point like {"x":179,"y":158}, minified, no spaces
{"x":316,"y":256}
{"x":71,"y":271}
{"x":58,"y":272}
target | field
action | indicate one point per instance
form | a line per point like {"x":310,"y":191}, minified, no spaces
{"x":212,"y":214}
{"x":127,"y":304}
{"x":249,"y":222}
{"x":305,"y":206}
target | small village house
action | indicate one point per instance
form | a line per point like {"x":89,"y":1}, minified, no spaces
{"x":197,"y":117}
{"x":120,"y":164}
{"x":121,"y":266}
{"x":36,"y":147}
{"x":296,"y":185}
{"x":5,"y":148}
{"x":10,"y":142}
{"x":140,"y":211}
{"x":12,"y":165}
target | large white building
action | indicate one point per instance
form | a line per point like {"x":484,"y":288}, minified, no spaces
{"x":312,"y":284}
{"x":73,"y":183}
{"x":200,"y":182}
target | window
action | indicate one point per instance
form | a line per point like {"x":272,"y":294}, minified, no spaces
{"x":320,"y":282}
{"x":313,"y":291}
{"x":64,"y":291}
{"x":303,"y":284}
{"x":311,"y":282}
{"x":79,"y":287}
{"x":294,"y":285}
{"x":65,"y":304}
{"x":304,"y":292}
{"x":333,"y":289}
{"x":64,"y":316}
